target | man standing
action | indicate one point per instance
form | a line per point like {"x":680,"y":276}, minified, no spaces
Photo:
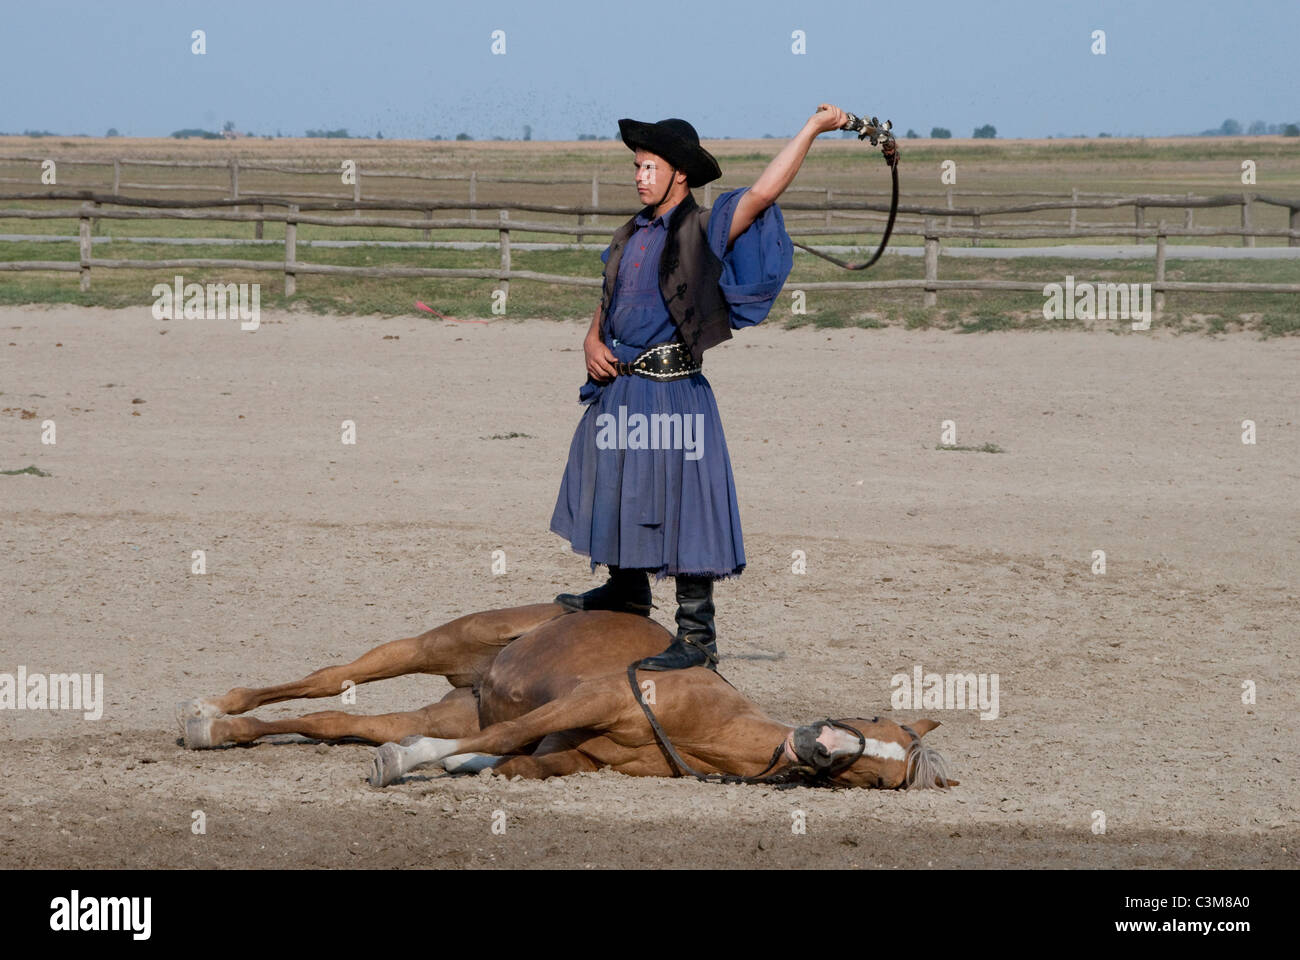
{"x":648,"y":484}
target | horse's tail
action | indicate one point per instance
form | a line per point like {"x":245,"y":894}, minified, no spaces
{"x":926,"y":767}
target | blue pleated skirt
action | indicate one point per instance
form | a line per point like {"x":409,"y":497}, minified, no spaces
{"x":671,"y":511}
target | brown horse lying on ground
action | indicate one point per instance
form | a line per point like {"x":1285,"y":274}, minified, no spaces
{"x":542,"y":692}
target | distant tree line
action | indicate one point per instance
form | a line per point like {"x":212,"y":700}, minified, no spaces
{"x":1231,"y":128}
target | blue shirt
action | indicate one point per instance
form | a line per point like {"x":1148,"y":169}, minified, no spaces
{"x":637,"y":313}
{"x":753,"y":273}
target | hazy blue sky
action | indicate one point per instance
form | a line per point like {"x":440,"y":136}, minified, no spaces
{"x":416,"y":69}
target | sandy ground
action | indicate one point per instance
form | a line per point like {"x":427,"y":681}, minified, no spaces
{"x":1119,"y":693}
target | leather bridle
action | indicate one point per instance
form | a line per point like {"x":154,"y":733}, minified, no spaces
{"x":808,"y":771}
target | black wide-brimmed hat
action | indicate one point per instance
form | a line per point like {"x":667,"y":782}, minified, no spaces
{"x":677,"y":142}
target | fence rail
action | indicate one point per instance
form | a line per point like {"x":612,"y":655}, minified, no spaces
{"x":1076,"y":201}
{"x":95,"y":206}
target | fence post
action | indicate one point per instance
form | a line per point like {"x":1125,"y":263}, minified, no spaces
{"x":1246,"y":199}
{"x":356,"y":191}
{"x":117,"y":176}
{"x":595,"y":196}
{"x":234,"y":181}
{"x":975,"y":223}
{"x":1139,"y":216}
{"x":83,"y":235}
{"x":504,"y":233}
{"x":291,"y":252}
{"x":828,"y":206}
{"x":473,"y":193}
{"x":1294,"y":224}
{"x":1161,"y":243}
{"x":1074,"y":211}
{"x":931,"y":297}
{"x":948,"y":222}
{"x":257,"y":227}
{"x":427,"y":233}
{"x":1187,"y":214}
{"x":580,"y":219}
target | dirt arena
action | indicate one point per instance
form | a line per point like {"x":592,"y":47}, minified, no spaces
{"x":1119,"y":693}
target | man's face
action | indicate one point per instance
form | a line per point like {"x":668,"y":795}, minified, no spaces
{"x":653,"y":174}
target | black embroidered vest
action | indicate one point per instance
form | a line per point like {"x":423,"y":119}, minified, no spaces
{"x":689,"y":272}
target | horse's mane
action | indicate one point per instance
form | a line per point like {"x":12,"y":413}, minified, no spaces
{"x":926,"y":768}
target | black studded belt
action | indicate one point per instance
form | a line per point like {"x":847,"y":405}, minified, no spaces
{"x":661,"y":361}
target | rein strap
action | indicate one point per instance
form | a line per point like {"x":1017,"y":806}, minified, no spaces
{"x":804,"y":771}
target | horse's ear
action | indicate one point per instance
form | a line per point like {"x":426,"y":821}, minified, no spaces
{"x":922,"y":727}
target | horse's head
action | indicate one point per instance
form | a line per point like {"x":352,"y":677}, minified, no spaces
{"x":861,"y":752}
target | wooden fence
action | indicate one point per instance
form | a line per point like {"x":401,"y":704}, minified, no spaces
{"x":1077,"y":200}
{"x":105,"y":207}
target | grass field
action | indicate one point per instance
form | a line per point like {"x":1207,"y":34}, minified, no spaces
{"x":1201,"y":166}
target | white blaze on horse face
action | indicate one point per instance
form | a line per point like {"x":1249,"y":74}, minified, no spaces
{"x":885,"y":750}
{"x":843,"y":743}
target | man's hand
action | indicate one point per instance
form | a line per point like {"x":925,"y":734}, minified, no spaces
{"x":600,"y":361}
{"x":828,"y":117}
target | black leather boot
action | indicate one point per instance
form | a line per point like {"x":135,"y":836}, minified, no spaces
{"x":627,"y":591}
{"x":695,"y":645}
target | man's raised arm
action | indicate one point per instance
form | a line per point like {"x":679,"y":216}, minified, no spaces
{"x":780,"y":172}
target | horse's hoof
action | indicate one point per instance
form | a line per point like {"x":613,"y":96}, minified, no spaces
{"x":386,"y":765}
{"x":198,"y":733}
{"x":189,"y":709}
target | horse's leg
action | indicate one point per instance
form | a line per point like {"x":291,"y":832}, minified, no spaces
{"x":557,"y":755}
{"x":460,"y":650}
{"x":576,"y":752}
{"x":598,"y":704}
{"x":560,"y":763}
{"x":456,"y":715}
